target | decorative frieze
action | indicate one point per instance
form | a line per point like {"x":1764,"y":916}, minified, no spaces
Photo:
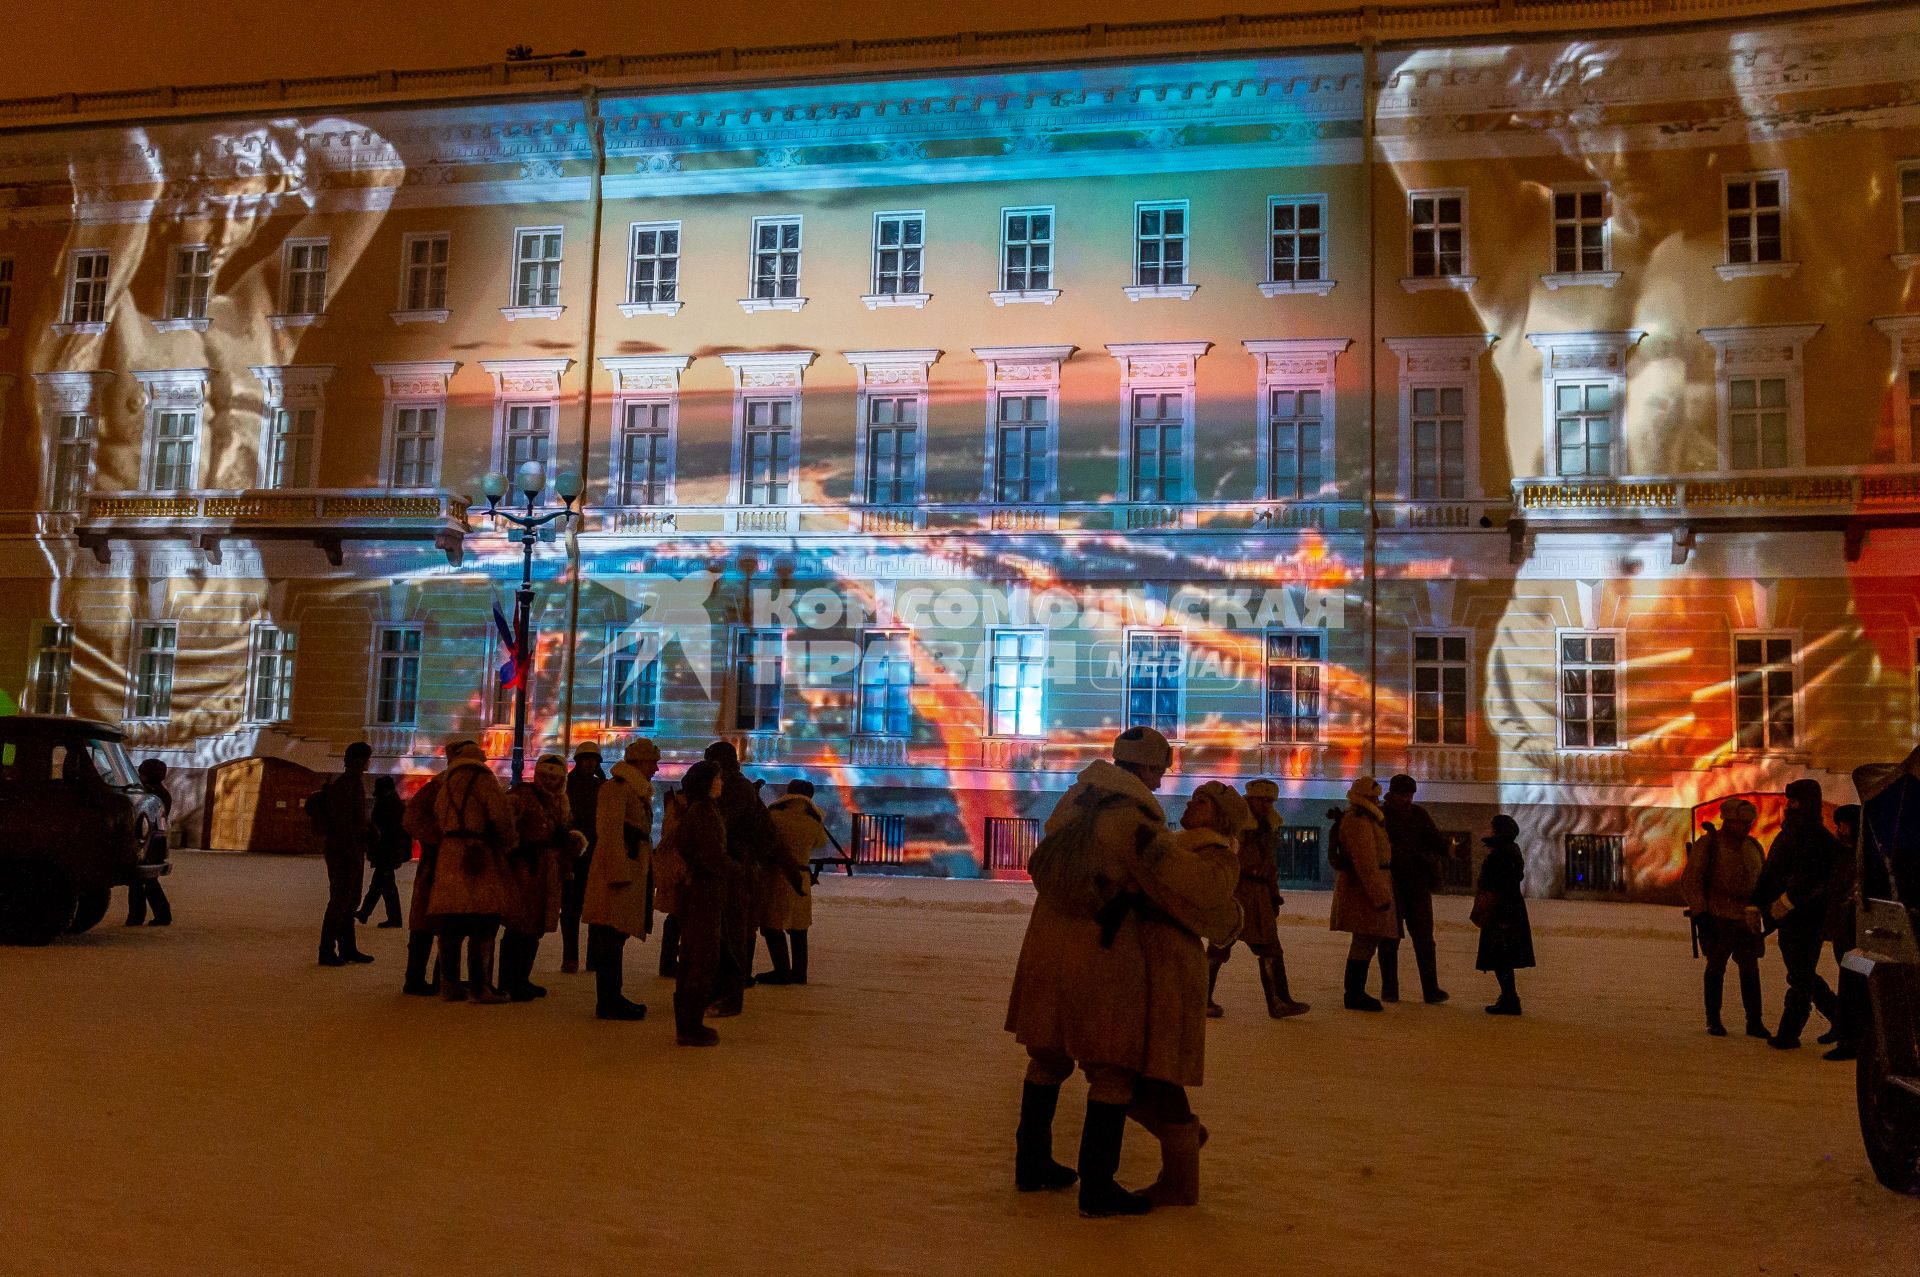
{"x":417,"y":379}
{"x":294,"y":385}
{"x":526,"y":378}
{"x":174,"y":388}
{"x":892,"y":369}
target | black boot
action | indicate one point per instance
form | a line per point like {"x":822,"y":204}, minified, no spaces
{"x":604,"y":946}
{"x":1100,"y":1140}
{"x":1428,"y":960}
{"x":798,"y":941}
{"x":419,"y":954}
{"x":349,"y":946}
{"x":163,"y":910}
{"x":1034,"y":1169}
{"x":1750,"y":1001}
{"x":1508,"y":1003}
{"x":689,"y":1027}
{"x":330,"y":946}
{"x":1714,"y":987}
{"x":517,"y":953}
{"x":1357,"y":998}
{"x":782,"y":972}
{"x":1390,"y":971}
{"x":1214,"y":1009}
{"x":670,"y":947}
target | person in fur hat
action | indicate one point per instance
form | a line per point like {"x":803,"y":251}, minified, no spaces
{"x":1363,"y":888}
{"x":1722,"y":870}
{"x":547,"y":841}
{"x":786,"y":889}
{"x":617,"y":904}
{"x":1259,"y":896}
{"x":1500,"y":911}
{"x":470,"y":883}
{"x":1792,"y":896}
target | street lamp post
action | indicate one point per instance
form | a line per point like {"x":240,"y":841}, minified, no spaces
{"x":531,"y":479}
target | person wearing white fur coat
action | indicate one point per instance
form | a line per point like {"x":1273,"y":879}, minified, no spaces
{"x":786,"y":889}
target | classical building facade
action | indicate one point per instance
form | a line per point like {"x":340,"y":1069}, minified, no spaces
{"x":1534,"y":410}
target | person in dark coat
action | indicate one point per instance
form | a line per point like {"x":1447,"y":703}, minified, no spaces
{"x":709,"y":875}
{"x":583,"y":797}
{"x":1418,"y":849}
{"x":1839,"y":931}
{"x":343,"y":810}
{"x":147,"y":894}
{"x":1500,"y":911}
{"x":1792,"y":894}
{"x":423,"y":825}
{"x":392,"y":847}
{"x":754,"y":846}
{"x":1723,"y":866}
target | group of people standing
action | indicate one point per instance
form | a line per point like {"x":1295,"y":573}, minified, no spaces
{"x":501,"y":868}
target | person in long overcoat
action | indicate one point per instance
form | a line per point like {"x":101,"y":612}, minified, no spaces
{"x":1791,"y":894}
{"x":705,"y":880}
{"x":616,"y":905}
{"x":755,"y":847}
{"x":786,"y":888}
{"x":546,"y":840}
{"x":1500,"y":911}
{"x":344,"y":808}
{"x":1418,"y":850}
{"x":471,"y":886}
{"x":1259,"y":895}
{"x":1363,"y":888}
{"x":1839,"y":931}
{"x":668,"y":873}
{"x":424,"y":828}
{"x":392,"y":847}
{"x":1722,"y":870}
{"x":148,"y":893}
{"x":583,"y":800}
{"x":1079,"y":991}
{"x":1189,"y":887}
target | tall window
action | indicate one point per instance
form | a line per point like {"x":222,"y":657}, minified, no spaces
{"x":776,"y":257}
{"x":1763,"y":692}
{"x":886,"y":683}
{"x":1156,"y":672}
{"x":175,"y":435}
{"x":190,"y":283}
{"x":290,"y":448}
{"x":1026,"y":249}
{"x":1583,"y":427}
{"x":416,"y":439}
{"x":306,"y":285}
{"x":757,"y":674}
{"x":87,"y":288}
{"x":1909,"y":178}
{"x":1296,"y":243}
{"x":1022,"y":461}
{"x":644,"y":456}
{"x":1596,"y":862}
{"x":424,"y":272}
{"x":893,"y":448}
{"x":1439,"y":689}
{"x":1160,"y":244}
{"x":1580,"y":231}
{"x":1018,"y":675}
{"x":396,"y":681}
{"x":1439,"y":441}
{"x":653,"y":268}
{"x":53,"y":668}
{"x":1589,"y":691}
{"x":529,"y":435}
{"x":1757,"y":422}
{"x":1294,"y":455}
{"x":633,"y":678}
{"x":72,"y":461}
{"x":767,"y":451}
{"x":1439,"y":226}
{"x":6,"y":291}
{"x":1159,"y":460}
{"x":1913,"y":412}
{"x":153,"y":670}
{"x":270,"y":681}
{"x":1295,"y":712}
{"x":897,"y":250}
{"x":1754,"y":207}
{"x":536,"y":266}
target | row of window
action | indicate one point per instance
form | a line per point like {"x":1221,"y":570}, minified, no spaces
{"x":1755,"y":216}
{"x":1156,"y":671}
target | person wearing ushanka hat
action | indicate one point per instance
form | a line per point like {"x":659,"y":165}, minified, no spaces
{"x":1363,"y":888}
{"x":1722,"y":870}
{"x":1258,"y":892}
{"x":1500,"y":911}
{"x":583,"y":800}
{"x":617,"y":904}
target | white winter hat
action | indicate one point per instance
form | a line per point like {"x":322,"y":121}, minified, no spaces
{"x":1143,"y":747}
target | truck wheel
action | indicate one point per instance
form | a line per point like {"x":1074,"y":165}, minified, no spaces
{"x":36,"y":904}
{"x":1889,"y":1124}
{"x":93,"y":907}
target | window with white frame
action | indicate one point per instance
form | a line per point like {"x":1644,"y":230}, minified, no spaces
{"x":1296,"y":239}
{"x":396,"y":676}
{"x":1295,"y":453}
{"x":53,"y":668}
{"x":898,"y":253}
{"x":776,"y":258}
{"x":290,"y":443}
{"x":1294,"y":446}
{"x":1765,"y":691}
{"x":653,"y":264}
{"x":893,"y":449}
{"x":1583,"y":380}
{"x":766,"y":450}
{"x":416,"y":445}
{"x":87,"y":287}
{"x":71,"y":465}
{"x":270,"y":680}
{"x":1026,"y":249}
{"x":1439,"y":429}
{"x":1907,"y":178}
{"x":1439,"y":410}
{"x":189,"y":283}
{"x":1589,"y":690}
{"x":536,"y":267}
{"x":633,"y":678}
{"x":1756,"y":209}
{"x":526,"y":435}
{"x":1908,"y":390}
{"x":414,"y":412}
{"x":6,"y":291}
{"x":1437,"y":223}
{"x":1757,"y":423}
{"x":1023,"y":456}
{"x":1156,"y":677}
{"x":1760,"y":407}
{"x":423,"y":271}
{"x":1585,"y":435}
{"x":1582,"y":240}
{"x":1160,"y":244}
{"x":646,"y":452}
{"x":154,"y":646}
{"x":1018,"y":684}
{"x":175,"y":440}
{"x":886,"y":683}
{"x":1441,"y":682}
{"x":1296,"y":675}
{"x":758,"y":673}
{"x":1157,"y":447}
{"x":304,"y":291}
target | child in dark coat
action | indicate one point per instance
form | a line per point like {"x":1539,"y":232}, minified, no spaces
{"x":1500,"y":911}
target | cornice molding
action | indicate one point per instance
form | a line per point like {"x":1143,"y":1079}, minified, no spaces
{"x":632,"y":373}
{"x":757,"y":369}
{"x":528,"y":378}
{"x":416,"y":378}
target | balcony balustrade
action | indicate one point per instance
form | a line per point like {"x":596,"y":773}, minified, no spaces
{"x":327,"y":517}
{"x":945,"y":518}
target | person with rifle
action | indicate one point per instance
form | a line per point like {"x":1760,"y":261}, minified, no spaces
{"x":1722,"y":870}
{"x":1792,"y":896}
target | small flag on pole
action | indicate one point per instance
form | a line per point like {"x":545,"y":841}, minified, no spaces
{"x":509,"y":668}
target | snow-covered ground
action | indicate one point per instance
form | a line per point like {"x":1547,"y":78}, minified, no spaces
{"x":205,"y":1099}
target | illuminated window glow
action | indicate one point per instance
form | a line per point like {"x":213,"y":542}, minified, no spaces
{"x":1156,"y":677}
{"x":1018,"y":679}
{"x":886,"y":683}
{"x":175,"y":440}
{"x":1296,"y":668}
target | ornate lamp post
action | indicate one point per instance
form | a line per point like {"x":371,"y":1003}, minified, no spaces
{"x":531,"y":479}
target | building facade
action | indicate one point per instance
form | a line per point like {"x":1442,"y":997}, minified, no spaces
{"x":1534,"y":411}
